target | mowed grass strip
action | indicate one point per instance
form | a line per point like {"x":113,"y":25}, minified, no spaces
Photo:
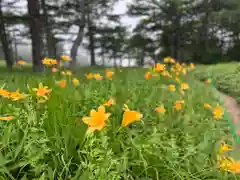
{"x":50,"y":141}
{"x":226,"y":77}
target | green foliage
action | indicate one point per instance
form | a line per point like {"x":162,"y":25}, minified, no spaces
{"x":205,"y":31}
{"x":49,"y":141}
{"x":224,"y":76}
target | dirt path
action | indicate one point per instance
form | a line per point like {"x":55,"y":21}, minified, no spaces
{"x":234,"y":112}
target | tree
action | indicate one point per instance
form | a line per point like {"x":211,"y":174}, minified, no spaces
{"x":49,"y":36}
{"x":4,"y":40}
{"x":141,"y":46}
{"x":187,"y":29}
{"x":74,"y":13}
{"x":35,"y":30}
{"x":109,"y":39}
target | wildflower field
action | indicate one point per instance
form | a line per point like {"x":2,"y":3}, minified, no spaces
{"x":111,"y":124}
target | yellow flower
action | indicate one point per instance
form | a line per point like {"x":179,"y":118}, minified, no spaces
{"x":97,"y":119}
{"x":234,"y":167}
{"x":89,"y":76}
{"x":75,"y":81}
{"x":7,"y":118}
{"x":172,"y":60}
{"x":16,"y":96}
{"x":49,"y":61}
{"x":159,"y":67}
{"x":225,"y":163}
{"x":218,"y":112}
{"x":109,"y":103}
{"x":172,"y":87}
{"x":66,"y":58}
{"x":42,"y":92}
{"x":46,"y":61}
{"x":147,"y":75}
{"x":166,"y":74}
{"x":21,"y":62}
{"x":53,"y":62}
{"x":160,"y":109}
{"x":178,"y":105}
{"x":97,"y":76}
{"x":224,"y":148}
{"x":228,"y":164}
{"x":4,"y":93}
{"x":68,"y":73}
{"x":207,"y":81}
{"x":184,"y":86}
{"x":192,"y":66}
{"x":184,"y":70}
{"x":207,"y":106}
{"x":130,"y":116}
{"x":168,"y":60}
{"x":62,"y":83}
{"x":180,"y":101}
{"x":109,"y":74}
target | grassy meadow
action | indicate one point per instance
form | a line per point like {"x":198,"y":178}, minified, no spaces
{"x":226,"y":77}
{"x":162,"y":134}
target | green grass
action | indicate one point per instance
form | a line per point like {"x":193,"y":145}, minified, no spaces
{"x":49,"y":141}
{"x":226,"y":77}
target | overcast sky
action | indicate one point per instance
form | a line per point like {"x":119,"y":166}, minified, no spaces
{"x":121,"y":8}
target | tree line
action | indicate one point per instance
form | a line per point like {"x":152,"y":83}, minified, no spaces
{"x":201,"y":31}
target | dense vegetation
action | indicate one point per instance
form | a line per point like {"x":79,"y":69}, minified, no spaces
{"x":178,"y":140}
{"x":65,"y":122}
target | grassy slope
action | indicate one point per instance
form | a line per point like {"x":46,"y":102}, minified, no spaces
{"x":48,"y":141}
{"x":226,"y":77}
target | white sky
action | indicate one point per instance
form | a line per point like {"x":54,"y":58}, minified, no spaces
{"x":121,"y":8}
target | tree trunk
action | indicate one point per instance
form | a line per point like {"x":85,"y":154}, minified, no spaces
{"x":103,"y":56}
{"x":142,"y":55}
{"x":129,"y":60}
{"x":91,"y":39}
{"x":204,"y":37}
{"x":92,"y":48}
{"x":115,"y":59}
{"x":8,"y":55}
{"x":15,"y":48}
{"x":48,"y":32}
{"x":76,"y":44}
{"x":35,"y":28}
{"x":121,"y":61}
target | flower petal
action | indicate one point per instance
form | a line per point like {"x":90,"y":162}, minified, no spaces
{"x":107,"y":115}
{"x":86,"y":120}
{"x":92,"y":112}
{"x":101,"y":109}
